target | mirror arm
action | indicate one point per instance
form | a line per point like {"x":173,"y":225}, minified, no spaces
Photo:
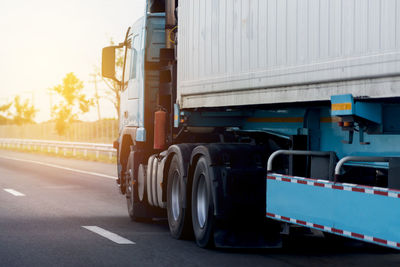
{"x":117,"y":81}
{"x":125,"y":43}
{"x":126,"y":37}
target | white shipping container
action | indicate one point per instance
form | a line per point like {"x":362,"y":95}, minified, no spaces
{"x":244,"y":52}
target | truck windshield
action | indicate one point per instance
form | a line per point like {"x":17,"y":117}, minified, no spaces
{"x":136,"y":48}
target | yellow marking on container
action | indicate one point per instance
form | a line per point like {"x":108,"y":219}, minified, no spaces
{"x":330,"y":119}
{"x":341,"y":106}
{"x":276,"y":119}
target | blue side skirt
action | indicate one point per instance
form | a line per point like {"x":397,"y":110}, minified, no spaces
{"x":371,"y":214}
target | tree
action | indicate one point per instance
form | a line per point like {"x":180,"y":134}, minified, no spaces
{"x":96,"y":94}
{"x":24,"y":112}
{"x":5,"y":107}
{"x":5,"y":113}
{"x":74,"y":102}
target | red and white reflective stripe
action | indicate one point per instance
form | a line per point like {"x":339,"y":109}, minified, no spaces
{"x":336,"y":231}
{"x":338,"y":186}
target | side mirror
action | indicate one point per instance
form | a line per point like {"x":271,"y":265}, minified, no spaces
{"x":108,"y":62}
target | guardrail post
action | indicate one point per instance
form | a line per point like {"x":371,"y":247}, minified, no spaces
{"x":74,"y":152}
{"x":97,"y":154}
{"x":65,"y":151}
{"x":85,"y":153}
{"x":56,"y":149}
{"x":110,"y":155}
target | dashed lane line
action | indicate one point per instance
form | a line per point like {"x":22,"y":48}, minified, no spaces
{"x":61,"y":167}
{"x":109,"y":235}
{"x":14,"y":192}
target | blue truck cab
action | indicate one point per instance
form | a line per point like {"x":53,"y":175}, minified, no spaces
{"x":141,"y":76}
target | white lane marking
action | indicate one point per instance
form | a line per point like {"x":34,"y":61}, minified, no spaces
{"x":109,"y":235}
{"x":13,"y":192}
{"x":61,"y":167}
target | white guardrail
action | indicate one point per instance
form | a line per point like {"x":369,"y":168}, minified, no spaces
{"x":56,"y":146}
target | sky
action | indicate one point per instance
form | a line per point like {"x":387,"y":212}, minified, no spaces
{"x":43,"y":40}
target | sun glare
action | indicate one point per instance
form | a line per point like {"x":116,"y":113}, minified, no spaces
{"x":44,"y":40}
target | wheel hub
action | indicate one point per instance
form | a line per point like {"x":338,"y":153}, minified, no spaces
{"x":129,"y":180}
{"x":202,"y":201}
{"x":175,"y":196}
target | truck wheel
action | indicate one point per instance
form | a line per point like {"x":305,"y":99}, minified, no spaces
{"x":122,"y":182}
{"x":137,"y":210}
{"x":178,"y":216}
{"x":202,"y":205}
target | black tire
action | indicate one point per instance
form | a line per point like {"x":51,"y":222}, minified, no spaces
{"x":203,"y":205}
{"x":179,"y":219}
{"x":138,"y":211}
{"x":122,"y":181}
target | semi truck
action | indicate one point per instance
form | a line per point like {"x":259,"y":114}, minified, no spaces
{"x":241,"y":120}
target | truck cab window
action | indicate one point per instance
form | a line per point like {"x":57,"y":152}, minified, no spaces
{"x":136,"y":48}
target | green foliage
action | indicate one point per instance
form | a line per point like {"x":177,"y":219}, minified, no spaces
{"x":5,"y":107}
{"x":24,"y":112}
{"x":5,"y":113}
{"x":63,"y":116}
{"x":71,"y":90}
{"x":74,"y":102}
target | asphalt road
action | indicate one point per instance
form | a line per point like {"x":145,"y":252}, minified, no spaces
{"x":44,"y":226}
